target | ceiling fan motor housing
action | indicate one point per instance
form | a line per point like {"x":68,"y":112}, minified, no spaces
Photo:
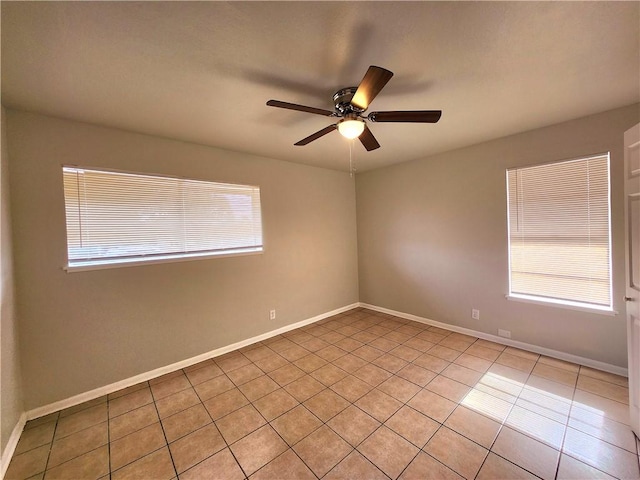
{"x":342,"y":101}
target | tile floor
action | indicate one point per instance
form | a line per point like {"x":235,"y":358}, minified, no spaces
{"x":359,"y":395}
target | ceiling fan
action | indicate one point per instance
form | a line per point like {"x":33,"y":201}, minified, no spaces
{"x":351,"y":103}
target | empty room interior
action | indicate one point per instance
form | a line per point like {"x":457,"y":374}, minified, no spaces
{"x":304,"y":240}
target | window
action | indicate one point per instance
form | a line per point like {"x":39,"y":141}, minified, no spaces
{"x":559,"y":233}
{"x":119,"y":218}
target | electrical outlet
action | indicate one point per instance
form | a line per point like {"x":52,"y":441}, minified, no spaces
{"x":504,"y":333}
{"x":272,"y":314}
{"x":475,"y":314}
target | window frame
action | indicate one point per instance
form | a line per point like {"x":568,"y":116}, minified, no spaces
{"x":155,"y":258}
{"x":556,"y":302}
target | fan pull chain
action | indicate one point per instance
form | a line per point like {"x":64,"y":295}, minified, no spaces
{"x":352,"y":168}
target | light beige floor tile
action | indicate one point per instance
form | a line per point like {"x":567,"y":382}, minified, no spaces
{"x":599,"y":426}
{"x":350,"y":363}
{"x":91,"y":465}
{"x":456,"y":343}
{"x":287,"y":466}
{"x":378,"y":404}
{"x":275,"y":404}
{"x":258,"y":388}
{"x":388,"y":451}
{"x":326,"y":404}
{"x":322,"y":450}
{"x":353,"y":425}
{"x":310,"y":363}
{"x":406,"y":352}
{"x":81,"y":420}
{"x":605,"y":376}
{"x":559,"y":375}
{"x":271,"y":363}
{"x":474,"y":363}
{"x":176,"y":402}
{"x":173,"y":385}
{"x":604,"y":389}
{"x":399,"y":388}
{"x":572,"y":469}
{"x":524,"y":451}
{"x":83,"y":406}
{"x":35,"y":437}
{"x":536,"y":426}
{"x":488,"y":405}
{"x":132,"y":421}
{"x":79,"y":443}
{"x":496,"y":467}
{"x":351,"y":388}
{"x":355,"y":467}
{"x":373,"y":374}
{"x":425,"y":467}
{"x":195,"y":447}
{"x":244,"y":374}
{"x":231,"y":361}
{"x":560,"y":392}
{"x":488,"y":344}
{"x":544,"y":405}
{"x":329,"y":374}
{"x":601,"y":455}
{"x":419,"y":344}
{"x":136,"y":445}
{"x":304,"y":388}
{"x":488,"y":354}
{"x":432,"y":405}
{"x":516,"y":361}
{"x":430,"y":362}
{"x":221,"y":465}
{"x":448,"y":388}
{"x":156,"y":465}
{"x":479,"y":428}
{"x":602,"y":406}
{"x":457,"y":452}
{"x":296,"y":424}
{"x":416,"y":374}
{"x":286,"y":374}
{"x":185,"y":422}
{"x":36,"y":422}
{"x":444,"y":353}
{"x":240,"y":423}
{"x":225,"y":403}
{"x":412,"y":426}
{"x":390,"y":363}
{"x":522,"y":353}
{"x":28,"y":463}
{"x":294,"y":353}
{"x":557,"y":363}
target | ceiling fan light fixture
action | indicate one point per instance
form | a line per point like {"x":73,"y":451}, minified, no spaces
{"x":350,"y":128}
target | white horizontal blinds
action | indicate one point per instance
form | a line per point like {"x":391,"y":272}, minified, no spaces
{"x":559,"y":231}
{"x":113,"y":215}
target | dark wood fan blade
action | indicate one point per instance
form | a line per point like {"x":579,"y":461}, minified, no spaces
{"x":372,"y":82}
{"x":300,"y":108}
{"x":317,"y":135}
{"x":415,"y":116}
{"x":368,"y":140}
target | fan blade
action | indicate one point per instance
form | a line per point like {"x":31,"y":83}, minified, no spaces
{"x":372,"y":82}
{"x":300,"y":108}
{"x":317,"y":135}
{"x":368,"y":140}
{"x":414,"y":116}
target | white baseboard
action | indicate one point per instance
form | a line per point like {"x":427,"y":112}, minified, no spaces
{"x":114,"y":387}
{"x":10,"y":448}
{"x":587,"y":362}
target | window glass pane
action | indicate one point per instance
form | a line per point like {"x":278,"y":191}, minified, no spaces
{"x":559,"y":231}
{"x":113,"y":216}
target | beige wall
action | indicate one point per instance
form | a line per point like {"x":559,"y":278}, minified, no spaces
{"x":432,"y":237}
{"x":84,"y":330}
{"x":11,"y":402}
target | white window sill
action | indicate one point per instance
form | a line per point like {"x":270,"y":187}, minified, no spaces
{"x":562,"y":304}
{"x":133,"y":262}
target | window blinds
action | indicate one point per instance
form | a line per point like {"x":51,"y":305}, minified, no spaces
{"x":559,"y":231}
{"x":115,"y":217}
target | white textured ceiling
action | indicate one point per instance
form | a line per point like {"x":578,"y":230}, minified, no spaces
{"x":202,"y":71}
